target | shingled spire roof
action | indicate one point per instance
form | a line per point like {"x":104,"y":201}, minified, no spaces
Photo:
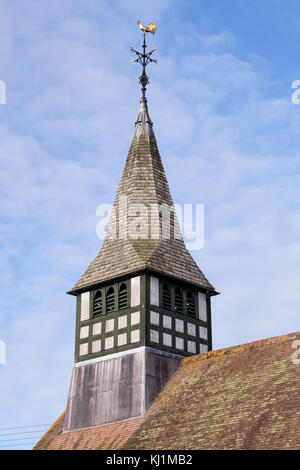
{"x":143,"y":182}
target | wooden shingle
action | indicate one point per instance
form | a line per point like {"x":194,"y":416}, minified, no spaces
{"x":143,"y":182}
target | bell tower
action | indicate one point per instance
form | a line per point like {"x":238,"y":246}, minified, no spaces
{"x":143,"y":303}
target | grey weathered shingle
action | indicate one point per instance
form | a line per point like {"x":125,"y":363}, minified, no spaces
{"x":143,"y":182}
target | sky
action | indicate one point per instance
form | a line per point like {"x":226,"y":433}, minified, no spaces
{"x":228,"y":134}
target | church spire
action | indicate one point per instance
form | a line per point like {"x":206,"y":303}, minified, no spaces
{"x":143,"y":303}
{"x":143,"y":184}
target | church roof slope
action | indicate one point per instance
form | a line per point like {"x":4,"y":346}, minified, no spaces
{"x":246,"y":397}
{"x":143,"y":183}
{"x":109,"y":437}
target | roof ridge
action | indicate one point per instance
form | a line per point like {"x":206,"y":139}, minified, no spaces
{"x":234,"y":350}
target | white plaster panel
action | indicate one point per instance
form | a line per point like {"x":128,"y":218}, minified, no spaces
{"x":135,"y":291}
{"x":191,"y":329}
{"x":97,"y":329}
{"x":122,"y":322}
{"x":192,"y":347}
{"x":84,"y":332}
{"x":203,"y":348}
{"x":122,"y":339}
{"x":203,"y":332}
{"x":167,"y":321}
{"x":85,"y":306}
{"x":135,"y":336}
{"x":179,"y":343}
{"x":154,"y":291}
{"x":135,"y":318}
{"x":202,"y":306}
{"x":96,"y":346}
{"x":154,"y":336}
{"x":179,"y":326}
{"x":109,"y":342}
{"x":109,"y":325}
{"x":83,"y":349}
{"x":154,"y":318}
{"x":167,"y":340}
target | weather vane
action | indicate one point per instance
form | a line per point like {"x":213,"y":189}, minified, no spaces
{"x":144,"y":58}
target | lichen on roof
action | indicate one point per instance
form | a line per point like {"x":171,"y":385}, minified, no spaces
{"x":244,"y":397}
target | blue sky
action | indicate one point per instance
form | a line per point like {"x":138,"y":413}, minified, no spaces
{"x":228,"y":133}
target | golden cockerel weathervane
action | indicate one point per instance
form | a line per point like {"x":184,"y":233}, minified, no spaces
{"x":151,"y":28}
{"x":144,"y":58}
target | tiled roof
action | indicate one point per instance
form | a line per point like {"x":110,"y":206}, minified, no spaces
{"x":245,"y":397}
{"x":143,"y":182}
{"x":109,"y":437}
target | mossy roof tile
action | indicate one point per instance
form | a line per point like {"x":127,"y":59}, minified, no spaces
{"x":244,"y":397}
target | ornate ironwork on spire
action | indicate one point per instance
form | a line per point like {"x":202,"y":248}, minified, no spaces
{"x":144,"y":58}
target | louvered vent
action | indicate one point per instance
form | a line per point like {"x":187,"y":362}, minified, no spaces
{"x":110,"y":300}
{"x":123,"y":297}
{"x":178,"y":301}
{"x":190,"y":304}
{"x":97,"y":305}
{"x":166,"y":297}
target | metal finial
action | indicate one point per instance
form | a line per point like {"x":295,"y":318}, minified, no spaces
{"x":144,"y":58}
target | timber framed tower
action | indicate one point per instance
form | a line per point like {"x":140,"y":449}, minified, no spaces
{"x":143,"y":303}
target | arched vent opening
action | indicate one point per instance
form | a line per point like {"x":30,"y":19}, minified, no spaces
{"x":110,"y":300}
{"x":166,"y":297}
{"x":178,"y":300}
{"x":190,"y":304}
{"x":98,"y":304}
{"x":123,"y":296}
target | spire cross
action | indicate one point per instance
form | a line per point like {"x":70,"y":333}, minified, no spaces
{"x":144,"y":59}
